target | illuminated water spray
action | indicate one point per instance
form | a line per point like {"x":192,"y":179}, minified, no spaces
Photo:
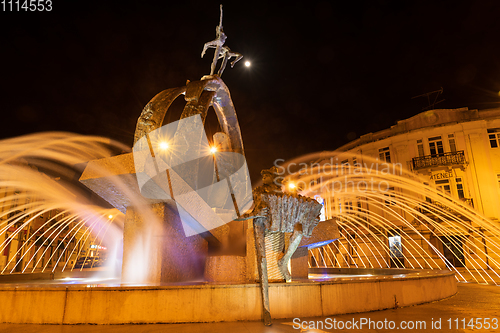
{"x":46,"y":219}
{"x":388,"y":218}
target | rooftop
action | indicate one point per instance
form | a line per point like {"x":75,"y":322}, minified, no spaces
{"x":431,"y":118}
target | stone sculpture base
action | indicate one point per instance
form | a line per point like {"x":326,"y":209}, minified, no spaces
{"x":160,"y":253}
{"x":299,"y":266}
{"x":195,"y":303}
{"x":226,"y":269}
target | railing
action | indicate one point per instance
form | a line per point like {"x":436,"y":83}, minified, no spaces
{"x":467,"y":201}
{"x":437,"y":204}
{"x":429,"y":161}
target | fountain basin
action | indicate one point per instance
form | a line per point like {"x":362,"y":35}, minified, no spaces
{"x":63,"y":304}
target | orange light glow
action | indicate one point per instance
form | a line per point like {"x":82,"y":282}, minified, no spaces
{"x":164,"y":145}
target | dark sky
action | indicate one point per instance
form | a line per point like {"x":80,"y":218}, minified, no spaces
{"x":322,"y":74}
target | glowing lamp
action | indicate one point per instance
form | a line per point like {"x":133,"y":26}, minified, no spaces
{"x":163,"y":145}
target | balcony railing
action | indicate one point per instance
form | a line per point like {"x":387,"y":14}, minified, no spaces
{"x":432,"y":207}
{"x":429,"y":161}
{"x":467,"y":201}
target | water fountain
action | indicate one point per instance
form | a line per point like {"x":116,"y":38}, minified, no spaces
{"x":406,"y":223}
{"x":62,"y":302}
{"x":177,"y":262}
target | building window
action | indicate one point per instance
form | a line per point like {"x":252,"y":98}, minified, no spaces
{"x":494,"y":137}
{"x":320,"y":200}
{"x":420,"y":148}
{"x":345,"y":167}
{"x":7,"y":248}
{"x":427,"y":199}
{"x":395,"y":249}
{"x":453,"y":145}
{"x":352,"y":248}
{"x":395,"y":246}
{"x":443,"y":185}
{"x":389,"y":196}
{"x":436,"y":146}
{"x":460,"y":188}
{"x":384,"y":154}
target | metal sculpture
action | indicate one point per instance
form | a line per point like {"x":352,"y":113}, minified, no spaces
{"x":221,"y":51}
{"x":276,"y":212}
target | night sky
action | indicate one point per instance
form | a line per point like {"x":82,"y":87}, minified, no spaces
{"x":323,"y":73}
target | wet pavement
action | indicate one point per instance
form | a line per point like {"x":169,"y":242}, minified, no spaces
{"x":481,"y":303}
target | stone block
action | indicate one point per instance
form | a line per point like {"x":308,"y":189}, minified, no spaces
{"x":299,"y":267}
{"x":225,"y":268}
{"x":325,"y":232}
{"x":155,"y":245}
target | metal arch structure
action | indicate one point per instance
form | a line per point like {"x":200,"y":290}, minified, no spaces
{"x":199,"y":95}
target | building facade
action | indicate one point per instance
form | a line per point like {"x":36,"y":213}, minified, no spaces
{"x":457,"y":152}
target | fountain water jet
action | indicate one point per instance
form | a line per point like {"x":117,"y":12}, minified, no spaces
{"x":31,"y":194}
{"x":163,"y":302}
{"x":404,"y":204}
